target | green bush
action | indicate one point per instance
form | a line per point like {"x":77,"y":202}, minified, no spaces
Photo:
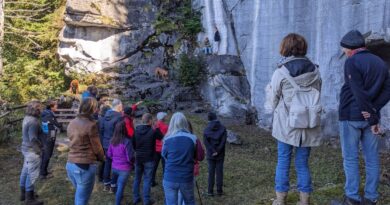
{"x":178,"y":16}
{"x":191,"y":70}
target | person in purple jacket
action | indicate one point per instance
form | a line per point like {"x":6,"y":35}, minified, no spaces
{"x":121,"y":153}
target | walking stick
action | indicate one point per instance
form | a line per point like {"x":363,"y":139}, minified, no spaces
{"x":197,"y":187}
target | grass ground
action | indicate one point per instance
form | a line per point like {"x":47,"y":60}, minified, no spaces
{"x":249,"y":174}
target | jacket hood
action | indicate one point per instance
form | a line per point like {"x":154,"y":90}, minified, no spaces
{"x":46,"y":113}
{"x":214,"y":129}
{"x":303,"y":71}
{"x":142,"y":129}
{"x":111,"y":114}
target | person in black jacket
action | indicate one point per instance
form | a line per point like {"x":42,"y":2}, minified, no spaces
{"x":215,"y":139}
{"x":217,"y":40}
{"x":364,"y":93}
{"x":144,"y":142}
{"x":50,"y":128}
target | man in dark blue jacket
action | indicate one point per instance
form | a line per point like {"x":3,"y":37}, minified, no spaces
{"x":111,"y":118}
{"x":364,"y":93}
{"x":50,"y":128}
{"x":215,"y":139}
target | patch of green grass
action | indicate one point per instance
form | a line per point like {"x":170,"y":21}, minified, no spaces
{"x":248,"y":174}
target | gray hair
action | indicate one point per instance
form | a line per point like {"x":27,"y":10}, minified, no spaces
{"x":116,"y":102}
{"x":178,"y":123}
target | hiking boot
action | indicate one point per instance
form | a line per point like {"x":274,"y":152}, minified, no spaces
{"x":346,"y":201}
{"x":48,"y":176}
{"x":208,"y":194}
{"x":304,"y":198}
{"x":280,"y":198}
{"x":368,"y":202}
{"x":22,"y":193}
{"x":137,"y":202}
{"x":219,"y":193}
{"x":107,"y":188}
{"x":31,"y":200}
{"x":151,"y":202}
{"x":112,"y":190}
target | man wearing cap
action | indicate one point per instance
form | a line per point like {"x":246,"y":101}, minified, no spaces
{"x":364,"y":93}
{"x":161,"y":118}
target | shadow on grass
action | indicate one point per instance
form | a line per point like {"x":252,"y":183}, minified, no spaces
{"x":248,"y":177}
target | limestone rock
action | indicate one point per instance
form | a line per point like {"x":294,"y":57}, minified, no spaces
{"x":227,"y":89}
{"x":253,"y":29}
{"x":233,"y":138}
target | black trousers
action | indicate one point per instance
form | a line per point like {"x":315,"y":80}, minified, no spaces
{"x":48,"y":148}
{"x":215,"y":171}
{"x":157,"y":158}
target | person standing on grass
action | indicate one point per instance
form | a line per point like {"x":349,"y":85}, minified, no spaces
{"x":129,"y":118}
{"x":161,"y":118}
{"x":102,"y":112}
{"x":295,"y":77}
{"x":122,"y":155}
{"x":84,"y":151}
{"x":214,"y":138}
{"x":199,"y":149}
{"x":50,"y":128}
{"x":111,"y":118}
{"x":180,"y":150}
{"x":365,"y":91}
{"x":31,"y":149}
{"x":144,"y":142}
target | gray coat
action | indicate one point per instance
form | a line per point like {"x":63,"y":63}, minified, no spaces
{"x":32,"y":134}
{"x":281,"y":94}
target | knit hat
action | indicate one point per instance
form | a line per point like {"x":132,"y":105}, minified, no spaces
{"x":212,"y":116}
{"x":128,"y":110}
{"x":161,"y":115}
{"x":353,"y":40}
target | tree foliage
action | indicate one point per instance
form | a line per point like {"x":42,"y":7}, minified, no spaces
{"x":191,"y":70}
{"x":178,"y":16}
{"x":31,"y":68}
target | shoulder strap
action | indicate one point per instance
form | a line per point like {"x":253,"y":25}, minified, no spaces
{"x":286,"y":74}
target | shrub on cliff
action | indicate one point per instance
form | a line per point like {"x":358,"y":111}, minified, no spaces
{"x":191,"y":70}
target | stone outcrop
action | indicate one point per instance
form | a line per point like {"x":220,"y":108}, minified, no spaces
{"x":253,"y":30}
{"x":227,"y":88}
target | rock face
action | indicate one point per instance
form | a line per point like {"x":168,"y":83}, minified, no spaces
{"x":227,"y":88}
{"x":253,"y":30}
{"x":101,"y":35}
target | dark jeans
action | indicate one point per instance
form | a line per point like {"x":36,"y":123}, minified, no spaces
{"x":157,"y":158}
{"x":107,"y":170}
{"x":119,"y":180}
{"x":215,"y":168}
{"x":48,"y":147}
{"x":100,"y":171}
{"x":143,"y":170}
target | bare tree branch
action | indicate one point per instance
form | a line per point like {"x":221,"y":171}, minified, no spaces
{"x":26,"y":3}
{"x":18,"y":47}
{"x":37,"y":45}
{"x":27,"y":10}
{"x":7,"y":26}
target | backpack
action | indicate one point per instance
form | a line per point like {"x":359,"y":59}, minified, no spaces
{"x":45,"y":127}
{"x":305,"y":109}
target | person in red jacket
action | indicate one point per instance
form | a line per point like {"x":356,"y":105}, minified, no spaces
{"x":161,"y":118}
{"x":129,"y":120}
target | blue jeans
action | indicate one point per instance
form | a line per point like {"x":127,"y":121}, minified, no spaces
{"x":119,"y":180}
{"x":146,"y":170}
{"x":171,"y":191}
{"x":351,"y":134}
{"x":82,"y":180}
{"x":25,"y":180}
{"x":107,"y":170}
{"x":282,"y":179}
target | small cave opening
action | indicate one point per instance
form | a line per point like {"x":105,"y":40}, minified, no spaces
{"x":380,"y":48}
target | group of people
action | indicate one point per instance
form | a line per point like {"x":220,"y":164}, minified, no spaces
{"x":295,"y":95}
{"x":112,"y":139}
{"x":209,"y":49}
